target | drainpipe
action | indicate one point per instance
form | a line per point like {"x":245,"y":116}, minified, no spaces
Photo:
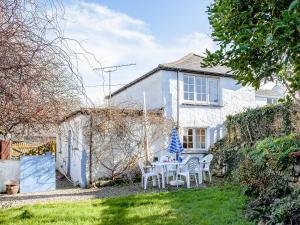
{"x":178,"y":101}
{"x":91,"y":147}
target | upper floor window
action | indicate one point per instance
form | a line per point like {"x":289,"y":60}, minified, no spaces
{"x":201,"y":89}
{"x":271,"y":100}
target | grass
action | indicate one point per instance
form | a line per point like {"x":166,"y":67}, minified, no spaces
{"x":210,"y":206}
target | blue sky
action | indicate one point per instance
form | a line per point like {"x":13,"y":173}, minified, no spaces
{"x":166,"y":18}
{"x":134,"y":31}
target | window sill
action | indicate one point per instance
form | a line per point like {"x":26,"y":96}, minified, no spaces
{"x":194,"y":151}
{"x":201,"y":104}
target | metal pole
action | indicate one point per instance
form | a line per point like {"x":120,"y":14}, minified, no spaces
{"x":109,"y":69}
{"x":145,"y":127}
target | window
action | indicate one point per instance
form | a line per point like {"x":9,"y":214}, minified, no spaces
{"x":271,"y":100}
{"x":194,"y":138}
{"x":189,"y":87}
{"x":201,"y":89}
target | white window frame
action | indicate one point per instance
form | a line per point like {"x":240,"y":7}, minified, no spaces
{"x":195,"y":101}
{"x":194,"y":135}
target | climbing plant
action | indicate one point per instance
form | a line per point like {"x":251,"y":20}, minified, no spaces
{"x":255,"y":124}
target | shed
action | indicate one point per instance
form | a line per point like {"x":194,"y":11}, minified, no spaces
{"x":95,"y":143}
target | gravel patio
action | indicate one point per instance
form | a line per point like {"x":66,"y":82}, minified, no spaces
{"x":65,"y":191}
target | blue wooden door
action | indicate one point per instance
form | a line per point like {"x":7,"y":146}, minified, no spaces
{"x":69,"y":152}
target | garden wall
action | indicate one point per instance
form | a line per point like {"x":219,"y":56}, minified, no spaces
{"x":245,"y":129}
{"x":9,"y":170}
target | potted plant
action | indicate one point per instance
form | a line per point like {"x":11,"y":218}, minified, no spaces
{"x":12,"y":187}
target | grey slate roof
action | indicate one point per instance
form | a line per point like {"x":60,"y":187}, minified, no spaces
{"x":269,"y":93}
{"x":191,"y":63}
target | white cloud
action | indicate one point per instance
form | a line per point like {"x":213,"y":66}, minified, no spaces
{"x":197,"y":42}
{"x":116,"y":38}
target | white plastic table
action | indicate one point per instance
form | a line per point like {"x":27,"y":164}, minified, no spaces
{"x":164,"y":165}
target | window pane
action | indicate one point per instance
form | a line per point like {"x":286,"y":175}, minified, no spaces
{"x":191,"y":88}
{"x":198,"y":142}
{"x":201,"y":89}
{"x":202,"y":131}
{"x":203,"y":145}
{"x":199,"y":97}
{"x":191,"y":96}
{"x":204,"y":87}
{"x":213,"y":90}
{"x":185,"y":79}
{"x":185,"y":88}
{"x":184,"y":138}
{"x":186,"y":96}
{"x":188,"y":138}
{"x":191,"y":80}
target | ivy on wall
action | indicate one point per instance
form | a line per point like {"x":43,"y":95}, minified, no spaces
{"x":246,"y":128}
{"x":255,"y":124}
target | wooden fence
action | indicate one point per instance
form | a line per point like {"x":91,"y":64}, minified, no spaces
{"x":20,"y":149}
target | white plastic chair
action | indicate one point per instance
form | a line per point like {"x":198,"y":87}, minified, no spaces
{"x":146,"y":175}
{"x":190,"y":169}
{"x":199,"y":171}
{"x":186,"y":159}
{"x":170,"y":170}
{"x":206,"y":161}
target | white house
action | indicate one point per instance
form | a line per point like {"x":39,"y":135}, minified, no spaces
{"x":197,"y":99}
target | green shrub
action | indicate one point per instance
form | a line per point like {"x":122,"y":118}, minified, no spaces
{"x":265,"y":173}
{"x":275,"y":151}
{"x":285,"y":210}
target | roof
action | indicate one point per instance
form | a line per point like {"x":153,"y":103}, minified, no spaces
{"x":91,"y":111}
{"x":191,"y":63}
{"x":269,"y":93}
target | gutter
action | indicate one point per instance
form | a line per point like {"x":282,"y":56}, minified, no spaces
{"x":162,"y":67}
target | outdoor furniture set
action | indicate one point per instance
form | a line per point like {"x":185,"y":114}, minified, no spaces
{"x":190,"y":167}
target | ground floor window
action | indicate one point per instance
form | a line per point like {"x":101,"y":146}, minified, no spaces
{"x":194,"y":138}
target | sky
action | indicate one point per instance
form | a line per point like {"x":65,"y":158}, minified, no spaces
{"x":142,"y":32}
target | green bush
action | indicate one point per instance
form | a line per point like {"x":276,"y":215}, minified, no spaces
{"x":275,"y":151}
{"x":265,"y":173}
{"x":257,"y":153}
{"x":285,"y":210}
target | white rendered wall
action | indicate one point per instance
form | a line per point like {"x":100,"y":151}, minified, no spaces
{"x":9,"y":171}
{"x":78,"y":143}
{"x":152,"y":86}
{"x":234,"y":98}
{"x":161,"y":91}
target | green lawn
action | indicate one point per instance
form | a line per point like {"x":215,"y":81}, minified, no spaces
{"x":214,"y":206}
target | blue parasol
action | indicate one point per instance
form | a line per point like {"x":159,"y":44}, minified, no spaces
{"x":175,"y":145}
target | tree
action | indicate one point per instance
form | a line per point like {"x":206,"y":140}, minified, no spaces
{"x":38,"y":79}
{"x":258,"y":40}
